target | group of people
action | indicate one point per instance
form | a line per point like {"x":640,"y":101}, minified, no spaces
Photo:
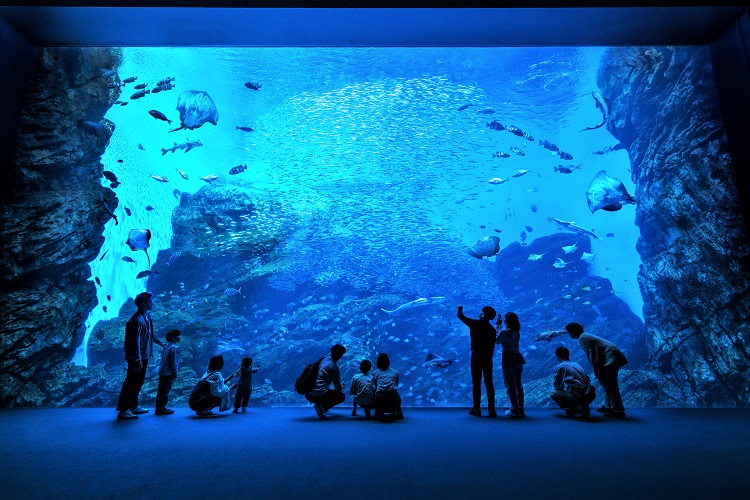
{"x":378,"y":391}
{"x":573,"y":391}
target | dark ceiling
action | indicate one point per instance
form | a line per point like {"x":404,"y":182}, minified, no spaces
{"x":532,"y":23}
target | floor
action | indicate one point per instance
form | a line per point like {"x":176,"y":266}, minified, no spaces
{"x":434,"y":453}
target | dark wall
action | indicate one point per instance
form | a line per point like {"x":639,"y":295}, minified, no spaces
{"x":16,"y":61}
{"x":731,"y":60}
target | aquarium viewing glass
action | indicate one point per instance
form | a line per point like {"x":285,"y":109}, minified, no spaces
{"x":331,"y":188}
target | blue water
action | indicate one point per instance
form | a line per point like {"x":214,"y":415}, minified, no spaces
{"x":387,"y":180}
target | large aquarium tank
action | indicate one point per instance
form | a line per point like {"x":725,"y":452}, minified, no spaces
{"x":277,"y":201}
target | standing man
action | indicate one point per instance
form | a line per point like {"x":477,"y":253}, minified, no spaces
{"x":482,"y":335}
{"x":322,"y":396}
{"x":606,"y":359}
{"x":139,"y":348}
{"x":573,"y":391}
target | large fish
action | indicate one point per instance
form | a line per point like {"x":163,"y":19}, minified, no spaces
{"x":571,"y":227}
{"x":486,"y":247}
{"x":607,"y":193}
{"x":602,"y":107}
{"x":437,"y":361}
{"x":415,"y":303}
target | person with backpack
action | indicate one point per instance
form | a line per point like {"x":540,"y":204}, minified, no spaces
{"x":573,"y":390}
{"x":321,"y":395}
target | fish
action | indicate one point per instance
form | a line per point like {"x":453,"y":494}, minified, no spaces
{"x":160,"y":116}
{"x":534,"y":208}
{"x":517,"y":151}
{"x":98,"y":282}
{"x":607,"y":193}
{"x":144,"y":274}
{"x":533,"y":257}
{"x":422,"y":301}
{"x":196,"y":109}
{"x":529,"y":229}
{"x":528,"y":137}
{"x":463,"y":107}
{"x":139,"y":94}
{"x":177,"y":194}
{"x":253,"y":86}
{"x":571,"y":227}
{"x":149,"y":208}
{"x":224,"y":346}
{"x":586,"y":288}
{"x":567,"y":169}
{"x":123,"y":104}
{"x":244,"y":129}
{"x":500,"y":154}
{"x":549,"y":145}
{"x":588,"y":257}
{"x":104,"y":204}
{"x":109,"y":298}
{"x":602,"y":107}
{"x":140,"y":146}
{"x":105,"y":253}
{"x":104,"y":308}
{"x":563,"y":155}
{"x":498,"y":230}
{"x":127,"y":211}
{"x":130,"y":79}
{"x":519,"y":173}
{"x":610,"y":235}
{"x":160,"y":178}
{"x":128,"y":259}
{"x":232,"y":292}
{"x":114,"y":85}
{"x":187,"y":146}
{"x":165,"y":81}
{"x":437,"y":361}
{"x":523,"y":236}
{"x":106,"y":73}
{"x":486,"y":247}
{"x":482,"y":226}
{"x":515,"y":131}
{"x":559,"y":263}
{"x":495,"y":125}
{"x":498,"y":180}
{"x":238,"y":169}
{"x":140,"y":86}
{"x":111,"y":177}
{"x":209,"y":178}
{"x":182,"y":174}
{"x":570,"y":249}
{"x":138,"y":239}
{"x":486,"y":111}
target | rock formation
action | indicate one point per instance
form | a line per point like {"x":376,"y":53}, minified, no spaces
{"x":52,"y":223}
{"x":694,"y":278}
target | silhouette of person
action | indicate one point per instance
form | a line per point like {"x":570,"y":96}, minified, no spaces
{"x":606,"y":359}
{"x":482,"y":349}
{"x":139,"y":348}
{"x":168,"y":368}
{"x":361,"y":389}
{"x":211,"y":390}
{"x":244,"y":385}
{"x":512,"y":362}
{"x":385,"y":388}
{"x":322,"y":396}
{"x":573,"y":390}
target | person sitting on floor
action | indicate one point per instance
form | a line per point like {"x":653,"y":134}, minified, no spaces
{"x":385,"y":388}
{"x":573,"y":390}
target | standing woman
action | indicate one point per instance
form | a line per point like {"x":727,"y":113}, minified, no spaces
{"x":512,"y":362}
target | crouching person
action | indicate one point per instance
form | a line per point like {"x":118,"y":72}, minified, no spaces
{"x":210,"y":391}
{"x":573,"y":390}
{"x":322,"y":396}
{"x":385,"y":387}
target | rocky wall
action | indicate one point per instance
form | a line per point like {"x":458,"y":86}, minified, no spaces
{"x":52,"y":223}
{"x":694,"y":279}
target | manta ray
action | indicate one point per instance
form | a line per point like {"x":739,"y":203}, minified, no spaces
{"x":138,"y":239}
{"x":415,"y":303}
{"x":607,"y":193}
{"x":435,"y":360}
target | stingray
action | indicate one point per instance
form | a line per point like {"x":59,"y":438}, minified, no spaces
{"x":196,"y":108}
{"x":138,"y":240}
{"x":607,"y":193}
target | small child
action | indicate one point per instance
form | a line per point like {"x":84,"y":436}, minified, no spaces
{"x":361,"y":389}
{"x":244,"y":385}
{"x":170,"y":364}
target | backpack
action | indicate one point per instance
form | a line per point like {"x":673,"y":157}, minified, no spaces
{"x":306,"y":381}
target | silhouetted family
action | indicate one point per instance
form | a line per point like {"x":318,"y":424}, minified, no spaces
{"x":378,"y":391}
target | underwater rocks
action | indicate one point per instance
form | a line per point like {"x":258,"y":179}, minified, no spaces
{"x":695,"y":274}
{"x":52,"y":221}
